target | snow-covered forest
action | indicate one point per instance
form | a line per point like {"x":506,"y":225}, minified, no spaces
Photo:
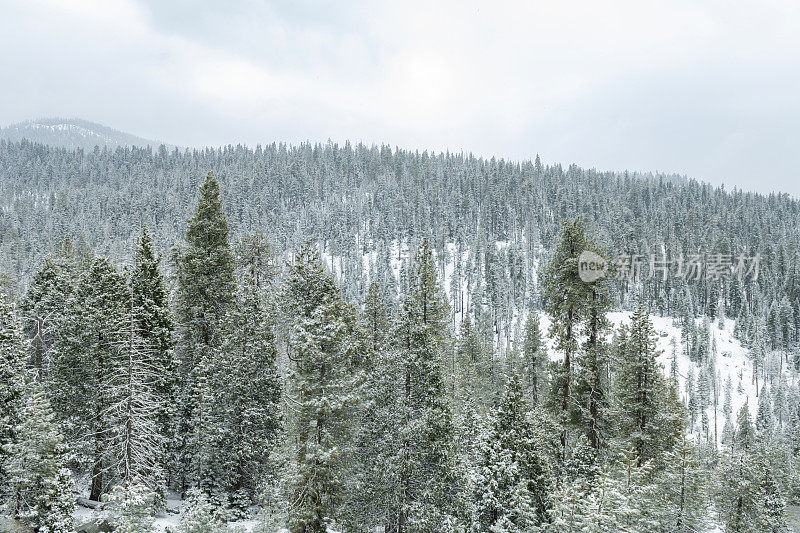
{"x":360,"y":338}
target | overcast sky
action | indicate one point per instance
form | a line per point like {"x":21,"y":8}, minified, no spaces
{"x":707,"y":89}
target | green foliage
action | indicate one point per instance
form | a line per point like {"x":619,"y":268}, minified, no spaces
{"x":323,"y":385}
{"x":428,"y":484}
{"x":199,"y":515}
{"x":13,"y":348}
{"x":132,"y":508}
{"x":534,"y":356}
{"x":206,"y":284}
{"x":748,"y":496}
{"x":566,"y":300}
{"x":650,"y":416}
{"x":512,"y":477}
{"x":39,"y":482}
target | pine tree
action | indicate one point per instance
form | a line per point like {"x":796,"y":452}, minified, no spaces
{"x":39,"y":482}
{"x":132,"y":508}
{"x":13,"y":349}
{"x":765,"y":423}
{"x":591,"y":384}
{"x":84,"y":362}
{"x":376,"y":318}
{"x":154,"y":326}
{"x":745,"y":434}
{"x":727,"y":409}
{"x":427,"y":482}
{"x":748,"y":497}
{"x":134,"y":444}
{"x":477,"y":377}
{"x":566,"y":298}
{"x":650,"y":415}
{"x":245,"y":389}
{"x":692,"y":406}
{"x":683,"y":484}
{"x":370,"y":487}
{"x":534,"y":357}
{"x":200,"y":515}
{"x":323,"y":379}
{"x":511,"y":480}
{"x":206,"y":284}
{"x":44,"y":309}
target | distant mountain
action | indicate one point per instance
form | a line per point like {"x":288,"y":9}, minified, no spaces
{"x":72,"y":133}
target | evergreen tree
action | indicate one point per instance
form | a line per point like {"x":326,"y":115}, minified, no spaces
{"x":683,"y":484}
{"x":245,"y":389}
{"x":200,"y":515}
{"x":84,"y":364}
{"x":745,"y":434}
{"x":764,"y":420}
{"x":727,"y":409}
{"x":534,"y":357}
{"x":427,"y":481}
{"x":132,"y":508}
{"x":323,"y":379}
{"x":649,"y":417}
{"x":39,"y":482}
{"x":748,"y":497}
{"x":372,"y":483}
{"x":477,"y":379}
{"x":206,"y":284}
{"x":134,"y":444}
{"x":44,"y":309}
{"x":154,"y":326}
{"x":13,"y":348}
{"x":511,"y":481}
{"x":566,"y":298}
{"x":591,"y":385}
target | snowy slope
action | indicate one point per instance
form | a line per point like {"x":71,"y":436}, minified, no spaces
{"x":72,"y":134}
{"x":732,"y":360}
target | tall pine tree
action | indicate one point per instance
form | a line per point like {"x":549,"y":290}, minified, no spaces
{"x":206,"y":284}
{"x":650,"y":416}
{"x":323,"y":387}
{"x":566,"y":298}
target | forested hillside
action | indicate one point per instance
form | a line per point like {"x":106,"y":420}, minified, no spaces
{"x":71,"y":133}
{"x":348,"y":338}
{"x":358,"y":199}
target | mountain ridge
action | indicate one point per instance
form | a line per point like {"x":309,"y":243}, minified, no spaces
{"x":73,"y":133}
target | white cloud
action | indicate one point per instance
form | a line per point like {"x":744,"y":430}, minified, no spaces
{"x":607,"y":84}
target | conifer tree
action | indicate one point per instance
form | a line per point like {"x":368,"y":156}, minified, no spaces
{"x":566,"y":298}
{"x":154,"y":326}
{"x":748,"y":498}
{"x":534,"y":357}
{"x":39,"y":482}
{"x":476,"y":380}
{"x":44,"y":309}
{"x":764,"y":419}
{"x":134,"y":444}
{"x":376,"y":318}
{"x":683,"y":484}
{"x":650,"y":419}
{"x":368,"y":499}
{"x":727,"y":409}
{"x":206,"y":284}
{"x":591,"y":385}
{"x":428,"y":485}
{"x":511,"y":480}
{"x":323,"y":383}
{"x":245,"y":390}
{"x":83,"y":365}
{"x":745,"y":434}
{"x":13,"y":351}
